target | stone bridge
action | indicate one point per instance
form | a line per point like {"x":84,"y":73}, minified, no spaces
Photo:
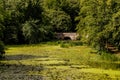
{"x":66,"y":36}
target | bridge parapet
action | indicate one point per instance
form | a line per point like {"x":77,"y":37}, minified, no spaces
{"x":72,"y":36}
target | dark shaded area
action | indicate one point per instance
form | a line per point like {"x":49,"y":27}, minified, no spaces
{"x":67,"y":38}
{"x":22,"y":57}
{"x":2,"y":49}
{"x":18,"y":72}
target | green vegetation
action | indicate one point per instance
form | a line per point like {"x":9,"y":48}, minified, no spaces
{"x":99,"y":23}
{"x":50,"y":61}
{"x":34,"y":22}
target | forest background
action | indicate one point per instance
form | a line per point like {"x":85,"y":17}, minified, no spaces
{"x":35,"y":21}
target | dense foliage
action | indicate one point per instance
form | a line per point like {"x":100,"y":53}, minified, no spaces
{"x":33,"y":21}
{"x":99,"y":22}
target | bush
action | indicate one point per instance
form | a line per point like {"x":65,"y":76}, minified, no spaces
{"x":64,"y":45}
{"x":2,"y":48}
{"x":67,"y":44}
{"x":109,"y":57}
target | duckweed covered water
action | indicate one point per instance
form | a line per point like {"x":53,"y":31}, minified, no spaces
{"x":51,"y":62}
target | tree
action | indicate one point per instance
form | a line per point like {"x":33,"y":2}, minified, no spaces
{"x":59,"y":21}
{"x":18,"y":13}
{"x":5,"y":22}
{"x":114,"y":24}
{"x":72,"y":8}
{"x":34,"y":32}
{"x":99,"y":23}
{"x":94,"y":19}
{"x":68,"y":7}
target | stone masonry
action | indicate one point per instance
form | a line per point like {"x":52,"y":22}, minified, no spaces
{"x":72,"y":36}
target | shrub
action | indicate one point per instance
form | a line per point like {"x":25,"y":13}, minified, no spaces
{"x":64,"y":45}
{"x":109,"y":57}
{"x":67,"y":44}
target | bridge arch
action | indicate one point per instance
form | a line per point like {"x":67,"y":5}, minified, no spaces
{"x":67,"y":38}
{"x":64,"y":36}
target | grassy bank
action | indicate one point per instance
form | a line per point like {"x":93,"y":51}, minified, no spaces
{"x":58,"y":61}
